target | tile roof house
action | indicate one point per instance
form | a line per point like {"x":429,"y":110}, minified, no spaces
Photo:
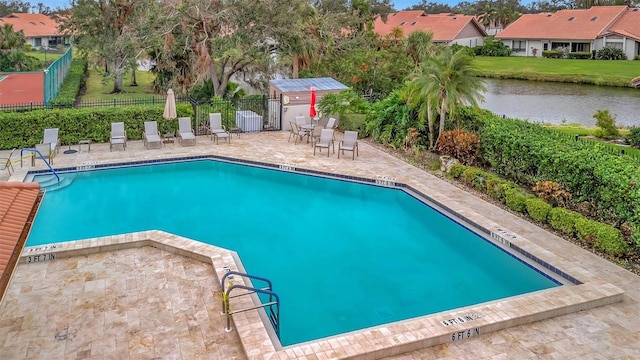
{"x":577,"y":30}
{"x":446,"y":28}
{"x":18,"y":202}
{"x":40,"y":30}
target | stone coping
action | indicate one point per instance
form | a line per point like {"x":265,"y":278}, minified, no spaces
{"x":375,"y":342}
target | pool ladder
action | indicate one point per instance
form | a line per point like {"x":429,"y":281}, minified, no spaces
{"x":272,"y":307}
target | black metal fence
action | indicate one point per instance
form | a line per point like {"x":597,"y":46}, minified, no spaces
{"x":247,"y":114}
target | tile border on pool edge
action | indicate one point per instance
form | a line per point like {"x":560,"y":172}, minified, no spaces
{"x":367,"y":344}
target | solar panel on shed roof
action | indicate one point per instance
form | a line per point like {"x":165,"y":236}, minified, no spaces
{"x":302,"y":85}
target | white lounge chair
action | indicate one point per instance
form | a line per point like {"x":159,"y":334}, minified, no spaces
{"x":118,"y":136}
{"x":297,"y":133}
{"x":51,"y":137}
{"x":185,"y":132}
{"x":151,"y":136}
{"x":326,"y":140}
{"x":349,"y":143}
{"x":216,"y":129}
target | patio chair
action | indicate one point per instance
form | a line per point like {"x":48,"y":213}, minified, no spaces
{"x":118,"y":136}
{"x":151,"y":136}
{"x":185,"y":132}
{"x":216,"y":129}
{"x":5,"y":163}
{"x":301,"y":120}
{"x":326,"y":140}
{"x":297,"y":133}
{"x":51,"y":137}
{"x":331,"y":124}
{"x":349,"y":143}
{"x":315,"y":133}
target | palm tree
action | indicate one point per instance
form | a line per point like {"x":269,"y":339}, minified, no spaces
{"x":488,"y":16}
{"x":419,"y":45}
{"x":445,"y":82}
{"x":9,"y":39}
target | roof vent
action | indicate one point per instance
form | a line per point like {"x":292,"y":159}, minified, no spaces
{"x":594,"y":18}
{"x":32,"y":23}
{"x":42,"y":23}
{"x":571,"y":18}
{"x":402,"y":23}
{"x":634,"y":10}
{"x":549,"y":15}
{"x":413,"y":23}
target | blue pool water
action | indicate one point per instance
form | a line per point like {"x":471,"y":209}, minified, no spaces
{"x":342,"y":256}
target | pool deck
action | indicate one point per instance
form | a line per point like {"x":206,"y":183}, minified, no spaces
{"x":157,"y":295}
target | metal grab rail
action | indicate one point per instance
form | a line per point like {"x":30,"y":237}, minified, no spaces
{"x":36,"y":151}
{"x":274,"y":299}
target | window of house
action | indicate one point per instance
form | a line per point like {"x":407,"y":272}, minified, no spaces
{"x":545,"y":47}
{"x":614,"y":45}
{"x":580,"y":47}
{"x":519,"y":45}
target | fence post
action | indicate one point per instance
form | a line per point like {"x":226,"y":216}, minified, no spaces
{"x":281,"y":106}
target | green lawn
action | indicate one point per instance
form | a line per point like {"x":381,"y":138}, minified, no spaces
{"x":97,"y":89}
{"x":587,"y":134}
{"x":40,"y":55}
{"x":598,"y":72}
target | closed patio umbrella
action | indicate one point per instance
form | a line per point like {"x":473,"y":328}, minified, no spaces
{"x":170,"y":106}
{"x":312,"y":104}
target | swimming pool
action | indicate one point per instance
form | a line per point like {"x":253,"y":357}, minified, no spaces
{"x":308,"y":234}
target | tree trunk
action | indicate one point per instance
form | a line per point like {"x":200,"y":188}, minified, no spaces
{"x":133,"y":77}
{"x":295,"y":62}
{"x":432,"y":145}
{"x":119,"y":74}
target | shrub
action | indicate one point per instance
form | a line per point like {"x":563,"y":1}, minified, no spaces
{"x":604,"y":237}
{"x":607,"y":123}
{"x":552,"y":192}
{"x":516,"y":199}
{"x":538,"y":209}
{"x":552,"y":54}
{"x":353,"y":122}
{"x":610,"y":54}
{"x":563,"y":220}
{"x":637,"y":57}
{"x":459,"y":144}
{"x":579,"y":55}
{"x":456,"y":170}
{"x":610,"y":240}
{"x":477,"y":178}
{"x":497,"y":186}
{"x":492,"y":47}
{"x":634,"y":137}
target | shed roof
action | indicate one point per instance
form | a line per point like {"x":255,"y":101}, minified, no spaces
{"x":17,"y":201}
{"x":303,"y":85}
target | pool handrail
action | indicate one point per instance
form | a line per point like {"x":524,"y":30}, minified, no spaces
{"x":226,"y":296}
{"x":36,"y":151}
{"x":274,"y":299}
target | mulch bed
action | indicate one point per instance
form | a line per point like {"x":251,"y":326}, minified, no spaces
{"x":424,"y":161}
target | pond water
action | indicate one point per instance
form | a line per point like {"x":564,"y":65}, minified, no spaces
{"x":558,"y":103}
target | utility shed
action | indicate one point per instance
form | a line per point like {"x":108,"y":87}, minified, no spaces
{"x":296,"y":95}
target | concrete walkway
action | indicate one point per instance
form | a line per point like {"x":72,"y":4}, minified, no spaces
{"x":105,"y":305}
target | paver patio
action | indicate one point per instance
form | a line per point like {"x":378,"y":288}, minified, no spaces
{"x":102,"y":305}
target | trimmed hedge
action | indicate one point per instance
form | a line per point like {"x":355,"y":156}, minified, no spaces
{"x":552,"y":54}
{"x":563,"y":220}
{"x":73,"y":82}
{"x":19,"y":130}
{"x":579,"y":55}
{"x":538,"y":209}
{"x":590,"y":173}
